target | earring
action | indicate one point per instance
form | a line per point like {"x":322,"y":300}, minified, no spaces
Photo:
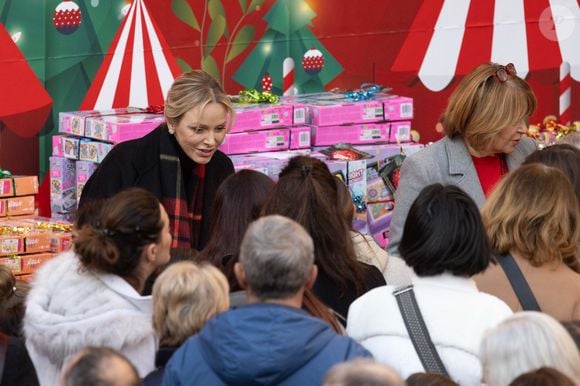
{"x":170,"y":129}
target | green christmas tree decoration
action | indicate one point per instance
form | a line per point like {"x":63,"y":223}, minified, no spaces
{"x":287,"y":35}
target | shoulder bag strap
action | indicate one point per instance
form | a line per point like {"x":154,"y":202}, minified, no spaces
{"x":418,"y":331}
{"x":3,"y":349}
{"x":518,"y":282}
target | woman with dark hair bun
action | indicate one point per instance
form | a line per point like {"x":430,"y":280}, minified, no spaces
{"x":307,"y":193}
{"x":445,"y":243}
{"x":91,"y":295}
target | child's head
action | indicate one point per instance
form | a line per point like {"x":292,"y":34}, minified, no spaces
{"x":12,"y":297}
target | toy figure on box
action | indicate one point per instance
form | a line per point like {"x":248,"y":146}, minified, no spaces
{"x":484,"y":125}
{"x":179,"y":161}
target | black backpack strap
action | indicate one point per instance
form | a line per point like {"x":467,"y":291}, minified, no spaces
{"x":518,"y":282}
{"x":418,"y":331}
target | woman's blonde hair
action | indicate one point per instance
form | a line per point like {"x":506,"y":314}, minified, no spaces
{"x":481,"y":106}
{"x":535,"y":212}
{"x":193,"y":89}
{"x":527,"y":341}
{"x":185,"y":297}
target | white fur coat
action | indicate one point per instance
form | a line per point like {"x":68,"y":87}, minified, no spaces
{"x":70,"y":308}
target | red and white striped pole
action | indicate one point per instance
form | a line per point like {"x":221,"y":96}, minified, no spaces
{"x":565,"y":93}
{"x":288,"y":86}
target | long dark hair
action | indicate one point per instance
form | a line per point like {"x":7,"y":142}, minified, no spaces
{"x":237,"y":203}
{"x":306,"y":192}
{"x":113,"y":241}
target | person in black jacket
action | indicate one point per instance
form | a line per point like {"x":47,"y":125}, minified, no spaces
{"x":179,"y":161}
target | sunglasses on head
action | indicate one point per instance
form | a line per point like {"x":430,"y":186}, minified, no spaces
{"x":504,"y":72}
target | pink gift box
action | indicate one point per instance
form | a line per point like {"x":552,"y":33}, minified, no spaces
{"x":300,"y":137}
{"x":400,"y":132}
{"x":63,"y":146}
{"x":365,"y":133}
{"x":121,"y":128}
{"x":93,"y":151}
{"x":262,"y":116}
{"x":62,"y":184}
{"x":256,"y":141}
{"x":398,"y":108}
{"x":73,"y":122}
{"x":269,"y":166}
{"x":84,"y":170}
{"x":340,"y":112}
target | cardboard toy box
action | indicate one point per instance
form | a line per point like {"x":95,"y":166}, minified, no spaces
{"x":300,"y":137}
{"x":16,"y":206}
{"x":256,"y":141}
{"x":62,"y":184}
{"x":11,"y":245}
{"x":121,"y":128}
{"x":363,"y":133}
{"x":398,"y":108}
{"x":64,"y":146}
{"x":344,"y":111}
{"x":14,"y":263}
{"x":400,"y":132}
{"x":73,"y":122}
{"x":93,"y":151}
{"x":262,"y":116}
{"x":30,"y":263}
{"x":84,"y":170}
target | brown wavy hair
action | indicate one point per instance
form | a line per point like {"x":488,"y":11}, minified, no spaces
{"x":481,"y":106}
{"x":535,"y":212}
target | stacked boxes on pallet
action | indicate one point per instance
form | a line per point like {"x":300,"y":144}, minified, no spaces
{"x":26,"y":242}
{"x":85,"y":139}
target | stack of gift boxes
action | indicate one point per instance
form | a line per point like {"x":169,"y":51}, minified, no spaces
{"x":308,"y":123}
{"x":26,"y":241}
{"x":84,"y":139}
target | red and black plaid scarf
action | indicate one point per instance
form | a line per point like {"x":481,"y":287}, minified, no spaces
{"x":185,"y":213}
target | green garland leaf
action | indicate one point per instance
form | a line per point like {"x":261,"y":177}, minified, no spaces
{"x":241,"y":42}
{"x":216,"y":31}
{"x":183,"y":11}
{"x":216,"y":9}
{"x":243,"y":4}
{"x":185,"y":67}
{"x":210,"y":66}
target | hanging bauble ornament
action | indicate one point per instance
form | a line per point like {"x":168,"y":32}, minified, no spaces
{"x":267,"y":83}
{"x":67,"y":17}
{"x":313,"y":61}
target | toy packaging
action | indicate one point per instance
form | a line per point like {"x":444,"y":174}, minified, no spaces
{"x":256,"y":141}
{"x":62,"y":184}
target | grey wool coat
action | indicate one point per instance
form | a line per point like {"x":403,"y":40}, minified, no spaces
{"x":447,"y":162}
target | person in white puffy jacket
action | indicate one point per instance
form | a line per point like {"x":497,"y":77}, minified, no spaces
{"x":91,"y":295}
{"x":444,"y":241}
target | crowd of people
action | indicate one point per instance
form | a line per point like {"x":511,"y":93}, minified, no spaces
{"x":183,"y":272}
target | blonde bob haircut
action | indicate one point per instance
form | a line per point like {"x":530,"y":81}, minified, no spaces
{"x":527,"y":341}
{"x":482,"y":106}
{"x":185,"y":297}
{"x":195,"y":89}
{"x":534,"y":211}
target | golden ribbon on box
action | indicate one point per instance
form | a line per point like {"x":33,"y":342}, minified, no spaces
{"x":550,"y":130}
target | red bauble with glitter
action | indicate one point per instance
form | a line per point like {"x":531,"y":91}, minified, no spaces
{"x":313,"y":61}
{"x":67,"y":17}
{"x":267,"y":83}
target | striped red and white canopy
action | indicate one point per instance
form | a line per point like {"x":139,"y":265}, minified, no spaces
{"x":449,"y":37}
{"x":138,"y":69}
